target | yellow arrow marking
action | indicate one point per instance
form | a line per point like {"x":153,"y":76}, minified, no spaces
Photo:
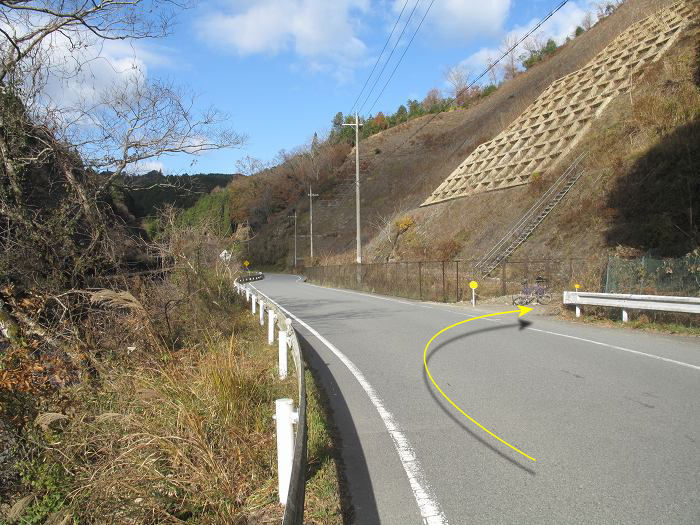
{"x":522,"y":310}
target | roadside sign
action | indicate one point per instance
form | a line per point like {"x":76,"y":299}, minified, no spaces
{"x":577,"y":286}
{"x":246,"y":264}
{"x":473,"y":285}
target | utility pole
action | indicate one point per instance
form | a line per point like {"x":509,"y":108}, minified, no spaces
{"x":311,"y":219}
{"x":357,"y":186}
{"x":295,"y":236}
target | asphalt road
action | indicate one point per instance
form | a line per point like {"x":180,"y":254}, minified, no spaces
{"x":615,"y":431}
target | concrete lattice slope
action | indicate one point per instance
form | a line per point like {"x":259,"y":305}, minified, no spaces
{"x":548,"y":129}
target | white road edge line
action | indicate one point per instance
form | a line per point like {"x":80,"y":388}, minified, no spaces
{"x":428,"y":506}
{"x":452,"y":311}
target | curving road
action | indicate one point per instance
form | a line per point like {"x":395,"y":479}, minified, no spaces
{"x":611,"y":415}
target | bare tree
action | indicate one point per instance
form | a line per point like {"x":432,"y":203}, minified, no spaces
{"x":458,"y":78}
{"x":432,"y":98}
{"x":493,"y":73}
{"x":138,"y":120}
{"x":534,"y":43}
{"x":510,"y":61}
{"x":44,"y":38}
{"x":588,"y":21}
{"x":250,"y":165}
{"x":607,"y":7}
{"x":73,"y":153}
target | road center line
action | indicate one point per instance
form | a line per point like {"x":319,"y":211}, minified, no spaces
{"x":428,"y":506}
{"x":622,"y":348}
{"x":453,"y":311}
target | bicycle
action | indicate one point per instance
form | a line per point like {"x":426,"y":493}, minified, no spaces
{"x":529,"y":294}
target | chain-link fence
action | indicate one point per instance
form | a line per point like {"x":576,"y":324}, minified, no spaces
{"x":653,"y":276}
{"x":446,"y":281}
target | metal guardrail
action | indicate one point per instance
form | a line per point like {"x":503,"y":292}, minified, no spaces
{"x":291,"y":448}
{"x":253,"y":276}
{"x":661,"y":303}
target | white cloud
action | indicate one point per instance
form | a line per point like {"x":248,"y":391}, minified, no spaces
{"x":321,"y":32}
{"x":80,"y":76}
{"x":144,"y":166}
{"x":561,"y":25}
{"x":465,"y":19}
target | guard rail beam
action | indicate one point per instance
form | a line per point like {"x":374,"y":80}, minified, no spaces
{"x":254,"y":276}
{"x":660,"y":303}
{"x":290,"y":476}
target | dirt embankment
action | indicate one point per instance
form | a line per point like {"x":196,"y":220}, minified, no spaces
{"x":402,"y":165}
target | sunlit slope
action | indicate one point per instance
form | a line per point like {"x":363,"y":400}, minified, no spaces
{"x":547,"y":130}
{"x":400,"y":167}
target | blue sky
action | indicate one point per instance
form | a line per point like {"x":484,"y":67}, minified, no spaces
{"x":281,"y":69}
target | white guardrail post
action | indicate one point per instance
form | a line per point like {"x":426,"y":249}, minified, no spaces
{"x":285,"y":418}
{"x":291,"y":440}
{"x":282,"y":354}
{"x":270,"y":326}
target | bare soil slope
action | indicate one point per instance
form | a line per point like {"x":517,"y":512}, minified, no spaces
{"x":402,"y":165}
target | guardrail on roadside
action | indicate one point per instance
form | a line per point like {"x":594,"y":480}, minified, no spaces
{"x":661,"y":303}
{"x":291,"y":448}
{"x":250,"y":277}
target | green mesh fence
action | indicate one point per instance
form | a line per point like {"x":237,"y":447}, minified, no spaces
{"x":653,"y":276}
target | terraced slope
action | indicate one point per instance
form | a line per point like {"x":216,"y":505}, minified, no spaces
{"x":547,"y":130}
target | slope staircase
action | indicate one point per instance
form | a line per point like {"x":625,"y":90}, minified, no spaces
{"x":534,"y":216}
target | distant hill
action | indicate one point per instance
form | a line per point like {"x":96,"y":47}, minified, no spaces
{"x":152,"y":190}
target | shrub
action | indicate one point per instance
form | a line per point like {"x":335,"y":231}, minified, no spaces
{"x":446,"y":250}
{"x":491,"y":88}
{"x":403,"y":224}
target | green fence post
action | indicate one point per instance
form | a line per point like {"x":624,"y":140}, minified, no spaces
{"x":504,"y":291}
{"x":420,"y":280}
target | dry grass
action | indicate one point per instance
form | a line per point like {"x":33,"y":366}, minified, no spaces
{"x":186,"y":436}
{"x":168,"y":420}
{"x":646,"y":321}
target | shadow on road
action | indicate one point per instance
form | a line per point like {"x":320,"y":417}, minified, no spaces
{"x":357,"y":494}
{"x":449,"y":409}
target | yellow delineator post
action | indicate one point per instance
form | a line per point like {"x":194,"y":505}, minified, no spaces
{"x":473,"y":285}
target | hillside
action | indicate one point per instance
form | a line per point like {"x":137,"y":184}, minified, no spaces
{"x":152,"y":190}
{"x":401,"y":166}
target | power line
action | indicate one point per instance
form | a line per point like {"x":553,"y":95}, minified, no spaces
{"x":380,"y":56}
{"x":408,"y":21}
{"x":494,"y":64}
{"x":435,"y":115}
{"x":505,"y":53}
{"x":401,"y":57}
{"x":491,"y":66}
